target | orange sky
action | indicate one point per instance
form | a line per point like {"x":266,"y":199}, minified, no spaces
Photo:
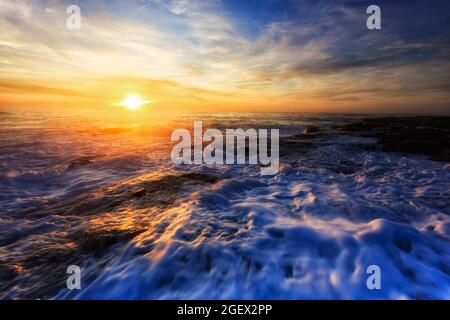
{"x":193,"y":60}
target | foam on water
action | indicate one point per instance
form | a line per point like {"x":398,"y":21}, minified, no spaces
{"x":306,"y":234}
{"x":309,"y":232}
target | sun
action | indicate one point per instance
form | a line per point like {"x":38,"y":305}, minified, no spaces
{"x":134,"y":102}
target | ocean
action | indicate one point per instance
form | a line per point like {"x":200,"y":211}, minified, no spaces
{"x":100,"y":191}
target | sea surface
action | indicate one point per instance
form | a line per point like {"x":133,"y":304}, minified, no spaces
{"x":100,"y":191}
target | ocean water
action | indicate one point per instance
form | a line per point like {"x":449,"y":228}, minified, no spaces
{"x":100,"y":191}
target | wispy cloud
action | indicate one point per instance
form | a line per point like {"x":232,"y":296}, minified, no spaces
{"x":248,"y":55}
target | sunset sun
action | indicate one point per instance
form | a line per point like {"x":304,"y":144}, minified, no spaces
{"x":134,"y":102}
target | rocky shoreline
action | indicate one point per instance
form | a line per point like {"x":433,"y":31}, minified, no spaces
{"x":429,"y":136}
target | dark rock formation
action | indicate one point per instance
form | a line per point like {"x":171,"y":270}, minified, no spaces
{"x":97,"y":238}
{"x":139,"y":193}
{"x":311,"y":129}
{"x":428,"y":136}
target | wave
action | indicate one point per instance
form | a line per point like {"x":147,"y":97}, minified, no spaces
{"x":142,"y":228}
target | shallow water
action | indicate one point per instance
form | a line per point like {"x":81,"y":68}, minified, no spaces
{"x":100,"y":191}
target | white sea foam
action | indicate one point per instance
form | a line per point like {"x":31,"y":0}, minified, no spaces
{"x":309,"y":232}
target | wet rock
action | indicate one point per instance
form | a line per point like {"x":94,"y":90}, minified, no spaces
{"x":363,"y":126}
{"x":7,"y":272}
{"x":139,"y":193}
{"x":79,"y":162}
{"x":50,"y":254}
{"x":97,"y":239}
{"x":343,"y":167}
{"x":428,"y":136}
{"x":292,"y":148}
{"x":311,"y":129}
{"x":43,"y":270}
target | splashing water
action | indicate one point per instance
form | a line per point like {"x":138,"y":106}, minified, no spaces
{"x":103,"y":194}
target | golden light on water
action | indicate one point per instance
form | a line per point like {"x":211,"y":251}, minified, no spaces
{"x":134,"y":102}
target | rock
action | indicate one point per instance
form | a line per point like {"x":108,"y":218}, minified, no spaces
{"x":97,"y":239}
{"x":78,"y":162}
{"x":147,"y":191}
{"x":45,"y":269}
{"x":428,"y":136}
{"x":8,"y":272}
{"x":139,"y":193}
{"x":311,"y":129}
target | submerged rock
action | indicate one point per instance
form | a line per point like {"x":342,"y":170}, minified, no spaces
{"x":96,"y":239}
{"x":147,"y":191}
{"x":79,"y":162}
{"x":311,"y":129}
{"x":43,"y":271}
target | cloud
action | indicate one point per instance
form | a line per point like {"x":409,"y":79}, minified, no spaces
{"x":290,"y":51}
{"x":179,"y":6}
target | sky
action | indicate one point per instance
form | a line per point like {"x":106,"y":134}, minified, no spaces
{"x":227,"y":55}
